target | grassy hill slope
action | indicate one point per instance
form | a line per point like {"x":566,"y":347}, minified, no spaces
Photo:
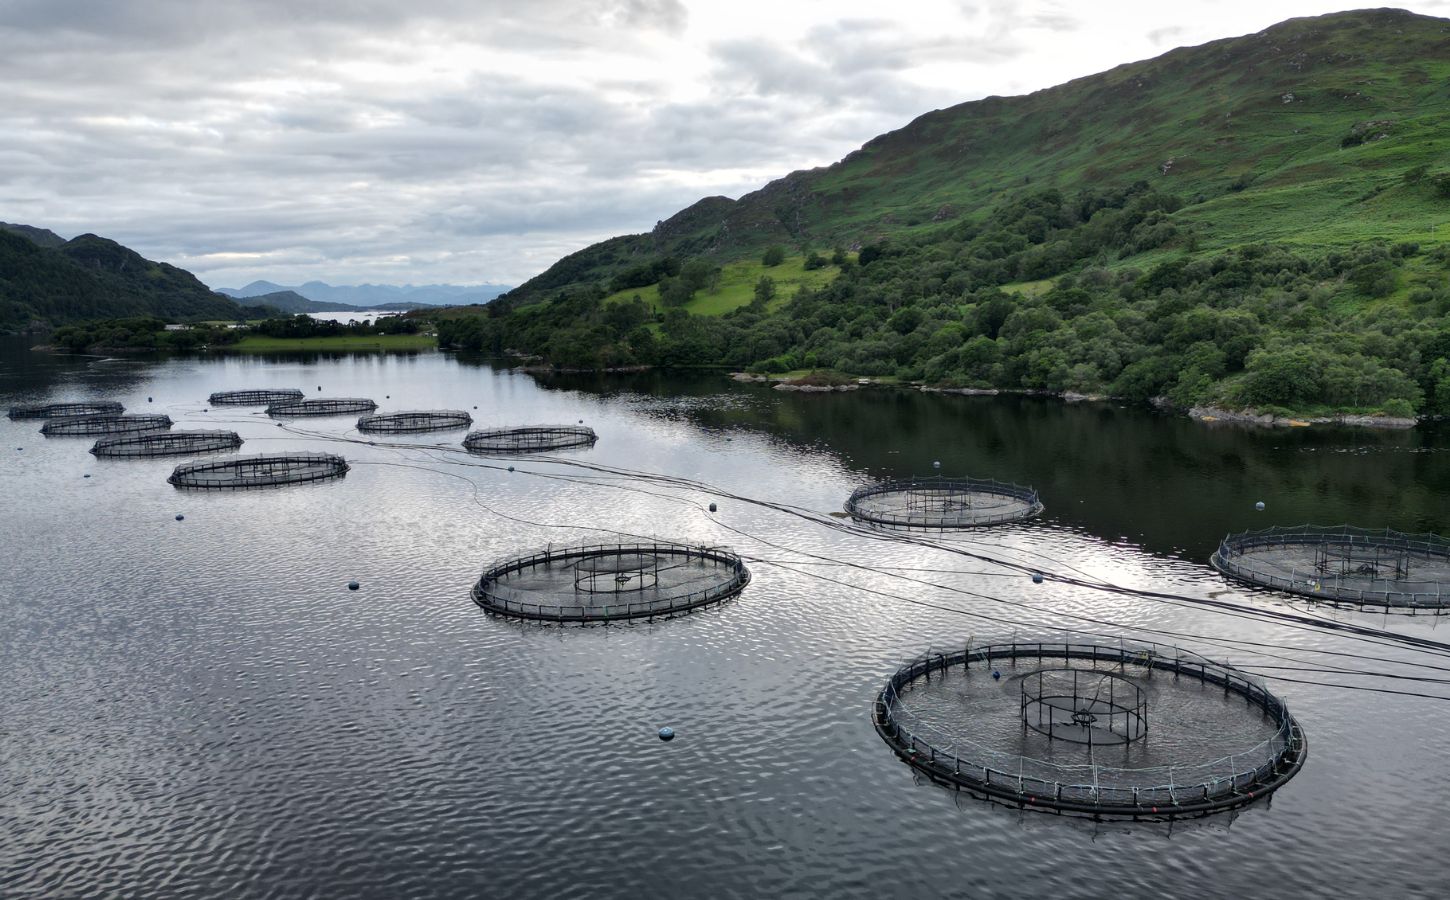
{"x":1300,"y":133}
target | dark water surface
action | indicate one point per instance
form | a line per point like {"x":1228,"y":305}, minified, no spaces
{"x":202,"y":708}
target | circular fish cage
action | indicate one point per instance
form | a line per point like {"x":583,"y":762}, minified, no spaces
{"x":260,"y":471}
{"x":1343,"y":565}
{"x":166,"y":443}
{"x":63,"y":410}
{"x":1064,"y":727}
{"x":530,"y":439}
{"x":610,"y":582}
{"x":415,"y":421}
{"x":322,"y":406}
{"x":942,"y":504}
{"x":105,"y":424}
{"x":255,"y":397}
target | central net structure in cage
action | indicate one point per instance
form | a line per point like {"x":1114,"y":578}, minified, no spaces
{"x":63,"y":410}
{"x":86,"y":426}
{"x":1063,"y":726}
{"x":260,"y":471}
{"x":942,"y":504}
{"x":609,"y":582}
{"x":255,"y":397}
{"x":322,"y":406}
{"x":1343,"y":565}
{"x":530,"y":439}
{"x":166,"y":443}
{"x":415,"y":421}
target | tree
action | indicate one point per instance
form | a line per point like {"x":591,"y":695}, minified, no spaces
{"x":774,"y":255}
{"x":764,"y":292}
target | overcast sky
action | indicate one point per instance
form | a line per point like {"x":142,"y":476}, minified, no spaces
{"x":474,"y":140}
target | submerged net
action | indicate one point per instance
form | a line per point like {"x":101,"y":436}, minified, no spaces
{"x":415,"y":421}
{"x":262,"y":470}
{"x":608,"y":582}
{"x":1347,"y":565}
{"x":255,"y":397}
{"x":61,"y":410}
{"x":530,"y":439}
{"x":322,"y":406}
{"x":940,"y":504}
{"x":105,"y":424}
{"x":166,"y":443}
{"x":1127,"y":730}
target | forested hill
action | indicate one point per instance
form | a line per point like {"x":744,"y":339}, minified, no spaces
{"x":1260,"y":223}
{"x":91,"y":277}
{"x":1297,"y":134}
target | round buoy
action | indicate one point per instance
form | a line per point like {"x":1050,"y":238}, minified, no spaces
{"x":1259,"y":506}
{"x":179,"y":517}
{"x":936,"y":464}
{"x":206,"y":410}
{"x":387,"y":396}
{"x":475,"y":406}
{"x":511,"y":468}
{"x":353,"y":585}
{"x":712,"y":506}
{"x":148,"y":399}
{"x":1036,"y":577}
{"x":85,"y":476}
{"x":319,"y":387}
{"x":996,"y":676}
{"x":667,"y":733}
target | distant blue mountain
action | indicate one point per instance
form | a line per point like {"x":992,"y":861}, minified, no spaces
{"x":377,"y":296}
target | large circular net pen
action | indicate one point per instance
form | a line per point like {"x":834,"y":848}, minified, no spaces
{"x":166,"y":443}
{"x":530,"y":439}
{"x":1105,"y":730}
{"x":260,"y":471}
{"x":942,"y":504}
{"x":109,"y":424}
{"x":413,"y":422}
{"x":59,"y":410}
{"x":609,"y":582}
{"x":255,"y":397}
{"x":322,"y":406}
{"x":1344,"y":565}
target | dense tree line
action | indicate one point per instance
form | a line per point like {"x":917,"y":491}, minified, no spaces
{"x":140,"y":333}
{"x":1259,"y":326}
{"x":304,"y":326}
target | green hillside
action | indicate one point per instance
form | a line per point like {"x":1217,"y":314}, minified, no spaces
{"x":1297,"y":134}
{"x":94,"y":278}
{"x":1258,"y":222}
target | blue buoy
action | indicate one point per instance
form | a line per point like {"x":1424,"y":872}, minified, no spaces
{"x":1259,"y":506}
{"x":667,"y":733}
{"x":712,"y":506}
{"x":148,"y":399}
{"x":319,"y":387}
{"x":511,"y":468}
{"x":85,"y":476}
{"x":475,"y":406}
{"x":179,"y":517}
{"x":996,"y":676}
{"x":1036,"y":577}
{"x":353,"y":585}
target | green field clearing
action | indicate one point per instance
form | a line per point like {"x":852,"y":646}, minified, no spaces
{"x":737,"y":286}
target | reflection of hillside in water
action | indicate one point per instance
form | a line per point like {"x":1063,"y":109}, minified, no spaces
{"x":1162,"y":481}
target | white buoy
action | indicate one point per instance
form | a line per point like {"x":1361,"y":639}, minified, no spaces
{"x":1259,"y":506}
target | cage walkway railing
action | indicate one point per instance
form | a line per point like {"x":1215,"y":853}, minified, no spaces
{"x":1235,"y":550}
{"x":494,"y":597}
{"x":1202,"y":787}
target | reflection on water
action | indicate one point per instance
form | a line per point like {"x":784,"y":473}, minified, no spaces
{"x":203,"y":707}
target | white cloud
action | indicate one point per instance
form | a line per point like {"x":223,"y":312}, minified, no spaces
{"x":479,"y":140}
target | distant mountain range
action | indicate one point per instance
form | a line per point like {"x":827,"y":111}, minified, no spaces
{"x":345,"y":298}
